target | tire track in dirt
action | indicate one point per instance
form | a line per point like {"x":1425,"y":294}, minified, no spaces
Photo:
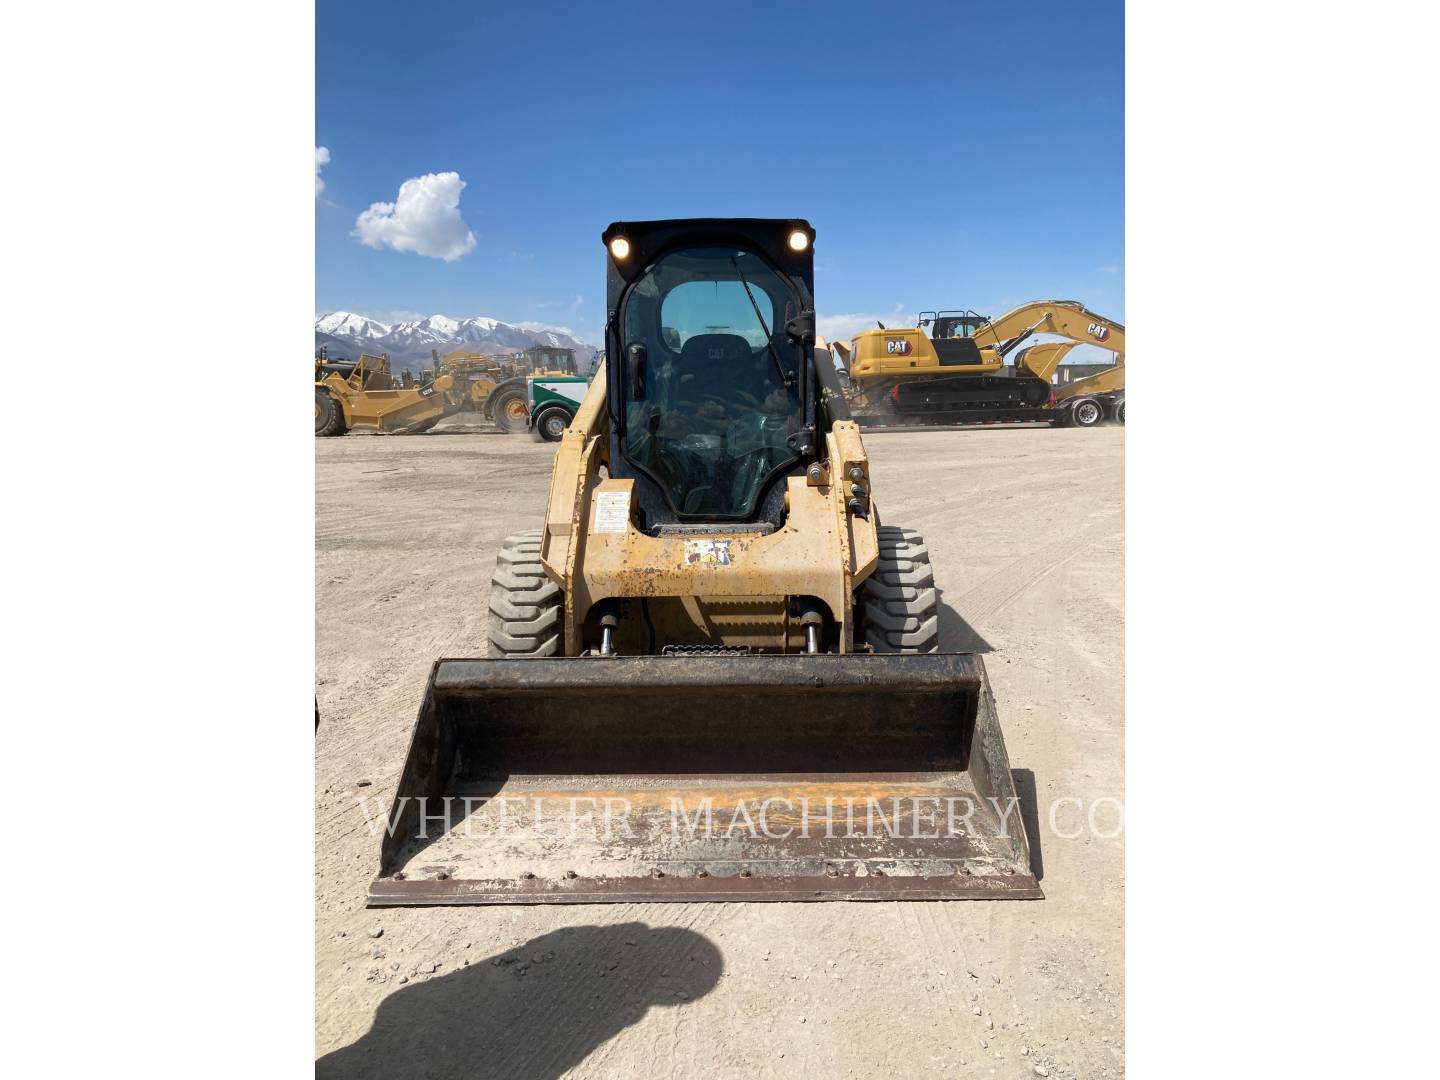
{"x":946,"y":960}
{"x":993,"y":594}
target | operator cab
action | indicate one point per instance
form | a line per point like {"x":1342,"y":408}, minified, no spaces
{"x":712,"y":328}
{"x":951,"y":334}
{"x":539,"y":358}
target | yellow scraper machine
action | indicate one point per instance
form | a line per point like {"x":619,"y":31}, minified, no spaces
{"x":713,"y":673}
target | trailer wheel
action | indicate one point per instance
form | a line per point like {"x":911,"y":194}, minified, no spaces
{"x":525,"y":604}
{"x":510,"y":410}
{"x":897,"y":601}
{"x":551,"y":423}
{"x":329,"y":420}
{"x":1086,"y":413}
{"x":1120,"y":412}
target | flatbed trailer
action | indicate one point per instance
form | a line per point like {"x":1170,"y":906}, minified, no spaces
{"x":1085,"y":411}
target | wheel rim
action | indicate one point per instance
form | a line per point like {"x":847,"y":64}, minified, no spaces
{"x":1087,"y":413}
{"x":554,"y":426}
{"x":515,"y":410}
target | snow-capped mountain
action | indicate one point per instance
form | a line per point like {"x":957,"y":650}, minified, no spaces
{"x":409,"y":343}
{"x":348,"y":324}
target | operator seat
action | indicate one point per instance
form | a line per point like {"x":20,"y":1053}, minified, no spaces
{"x":713,"y":375}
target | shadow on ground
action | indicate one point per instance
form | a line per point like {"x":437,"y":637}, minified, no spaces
{"x":1030,"y":815}
{"x":535,"y":1011}
{"x":957,"y":635}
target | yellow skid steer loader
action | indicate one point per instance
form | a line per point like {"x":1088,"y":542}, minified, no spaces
{"x":713,"y":673}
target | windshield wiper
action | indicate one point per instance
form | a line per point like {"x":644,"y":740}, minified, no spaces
{"x":785,"y":376}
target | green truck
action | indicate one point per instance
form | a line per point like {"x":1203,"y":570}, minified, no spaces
{"x":554,"y":402}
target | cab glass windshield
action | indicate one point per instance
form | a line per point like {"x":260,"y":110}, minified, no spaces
{"x":707,"y":419}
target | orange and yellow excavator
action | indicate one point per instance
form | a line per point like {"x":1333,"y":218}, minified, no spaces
{"x":962,"y":372}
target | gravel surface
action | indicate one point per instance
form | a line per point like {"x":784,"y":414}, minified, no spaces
{"x":1025,"y":528}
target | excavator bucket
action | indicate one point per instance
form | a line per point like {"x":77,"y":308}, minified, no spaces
{"x":705,"y":777}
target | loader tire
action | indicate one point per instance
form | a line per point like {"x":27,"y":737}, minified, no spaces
{"x":510,"y":409}
{"x":525,"y":605}
{"x":897,"y":601}
{"x":329,"y":420}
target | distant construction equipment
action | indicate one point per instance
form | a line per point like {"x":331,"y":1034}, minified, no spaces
{"x":366,"y":395}
{"x":962,"y":373}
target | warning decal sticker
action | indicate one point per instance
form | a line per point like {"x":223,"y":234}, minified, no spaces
{"x":612,"y":512}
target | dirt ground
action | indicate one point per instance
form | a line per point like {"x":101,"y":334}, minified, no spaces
{"x":1026,"y":532}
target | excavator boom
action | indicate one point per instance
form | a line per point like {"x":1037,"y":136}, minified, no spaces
{"x":1064,"y":318}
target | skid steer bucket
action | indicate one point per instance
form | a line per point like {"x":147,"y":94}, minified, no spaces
{"x":687,"y":778}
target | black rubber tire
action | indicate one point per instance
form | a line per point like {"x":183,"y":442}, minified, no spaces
{"x":500,"y":413}
{"x":1086,"y":412}
{"x":329,"y":420}
{"x":548,"y":419}
{"x":897,"y":602}
{"x":525,"y":605}
{"x":1120,"y":413}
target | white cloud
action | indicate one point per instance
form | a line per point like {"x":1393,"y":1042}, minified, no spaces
{"x":585,"y":337}
{"x":844,"y":327}
{"x":538,"y":327}
{"x":322,"y":158}
{"x":424,"y":218}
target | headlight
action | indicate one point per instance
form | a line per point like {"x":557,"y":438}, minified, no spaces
{"x":620,"y":247}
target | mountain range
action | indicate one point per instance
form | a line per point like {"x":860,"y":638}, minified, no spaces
{"x":408,"y":344}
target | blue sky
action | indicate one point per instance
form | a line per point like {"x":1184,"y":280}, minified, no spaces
{"x":948,"y":154}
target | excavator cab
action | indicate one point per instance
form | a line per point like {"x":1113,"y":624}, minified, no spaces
{"x":950,"y":336}
{"x":945,"y":325}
